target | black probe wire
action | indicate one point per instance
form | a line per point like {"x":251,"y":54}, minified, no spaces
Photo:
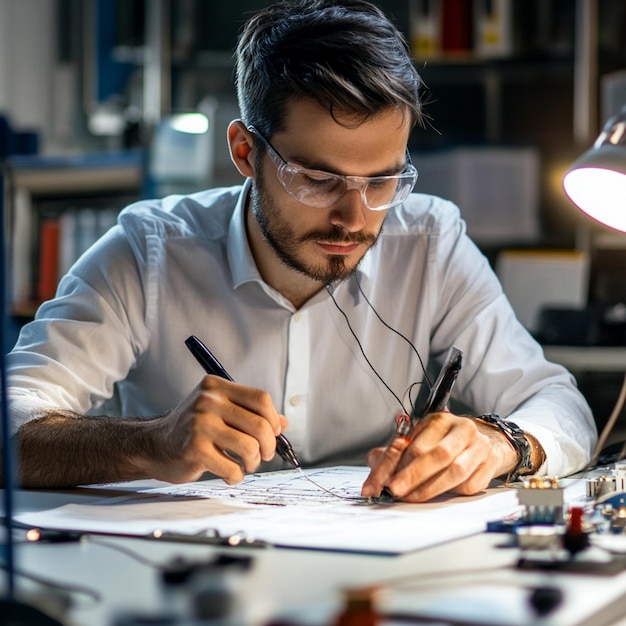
{"x":396,"y":331}
{"x":330,"y":290}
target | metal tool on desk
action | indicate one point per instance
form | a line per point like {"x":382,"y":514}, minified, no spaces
{"x":212,"y":366}
{"x":439,"y":394}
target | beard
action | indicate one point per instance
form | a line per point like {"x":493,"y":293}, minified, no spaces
{"x":286,"y":245}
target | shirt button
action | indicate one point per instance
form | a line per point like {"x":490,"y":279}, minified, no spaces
{"x":297,"y":317}
{"x":294,"y":400}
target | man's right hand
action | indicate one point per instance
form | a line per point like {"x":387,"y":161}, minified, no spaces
{"x":222,"y":427}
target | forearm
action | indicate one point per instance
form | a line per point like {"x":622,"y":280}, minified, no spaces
{"x":64,"y":449}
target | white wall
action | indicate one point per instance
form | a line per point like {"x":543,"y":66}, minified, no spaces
{"x":27,"y":64}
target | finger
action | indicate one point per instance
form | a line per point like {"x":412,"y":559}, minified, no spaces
{"x":213,"y":407}
{"x":373,"y":457}
{"x":465,"y":475}
{"x":386,"y":463}
{"x":243,"y":447}
{"x":435,"y":457}
{"x":254,"y":400}
{"x":284,"y":424}
{"x":224,"y":465}
{"x":199,"y":457}
{"x":478,"y":481}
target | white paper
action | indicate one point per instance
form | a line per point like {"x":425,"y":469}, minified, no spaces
{"x":285,"y":509}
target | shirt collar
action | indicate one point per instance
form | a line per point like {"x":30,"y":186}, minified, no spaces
{"x":240,"y":259}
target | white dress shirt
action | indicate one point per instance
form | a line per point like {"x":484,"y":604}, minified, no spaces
{"x":113,"y":340}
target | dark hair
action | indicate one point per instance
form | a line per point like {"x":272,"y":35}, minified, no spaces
{"x":346,"y":54}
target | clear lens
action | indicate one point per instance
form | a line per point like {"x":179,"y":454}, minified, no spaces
{"x":384,"y":192}
{"x":311,"y":187}
{"x":321,"y":189}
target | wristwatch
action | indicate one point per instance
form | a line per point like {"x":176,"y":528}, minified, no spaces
{"x":517,"y":439}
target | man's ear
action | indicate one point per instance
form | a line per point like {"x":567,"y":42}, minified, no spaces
{"x":240,"y":145}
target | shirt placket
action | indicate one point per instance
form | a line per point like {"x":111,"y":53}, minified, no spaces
{"x":297,"y":378}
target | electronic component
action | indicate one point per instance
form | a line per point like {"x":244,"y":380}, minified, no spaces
{"x":543,"y":501}
{"x":599,"y":486}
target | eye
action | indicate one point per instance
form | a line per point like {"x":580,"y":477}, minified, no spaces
{"x":319,"y":179}
{"x":382,"y":183}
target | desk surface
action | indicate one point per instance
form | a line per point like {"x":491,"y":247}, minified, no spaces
{"x":588,"y":358}
{"x":307,"y":585}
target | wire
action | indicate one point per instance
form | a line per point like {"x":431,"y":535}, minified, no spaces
{"x":391,"y":391}
{"x":407,"y":393}
{"x":337,"y":495}
{"x":95,"y":595}
{"x":128,"y":552}
{"x":394,"y":330}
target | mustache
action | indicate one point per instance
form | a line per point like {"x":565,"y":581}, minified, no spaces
{"x":338,"y":235}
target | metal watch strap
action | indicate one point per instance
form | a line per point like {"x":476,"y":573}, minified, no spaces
{"x":517,"y":439}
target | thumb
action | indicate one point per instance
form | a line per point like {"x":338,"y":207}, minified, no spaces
{"x":284,"y":424}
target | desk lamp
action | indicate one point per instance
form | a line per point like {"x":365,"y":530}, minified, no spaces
{"x":596,"y":184}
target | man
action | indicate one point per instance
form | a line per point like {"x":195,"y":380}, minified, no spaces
{"x":322,"y":286}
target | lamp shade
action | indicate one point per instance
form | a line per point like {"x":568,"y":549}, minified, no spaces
{"x":596,"y":182}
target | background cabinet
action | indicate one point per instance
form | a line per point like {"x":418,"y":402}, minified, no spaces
{"x":55,"y":208}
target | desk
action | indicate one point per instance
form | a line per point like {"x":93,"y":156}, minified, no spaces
{"x":303,"y":584}
{"x":588,"y":358}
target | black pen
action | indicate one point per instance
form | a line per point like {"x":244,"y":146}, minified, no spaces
{"x":212,"y":366}
{"x":442,"y":387}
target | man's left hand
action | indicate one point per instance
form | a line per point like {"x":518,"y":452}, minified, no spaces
{"x":445,"y":452}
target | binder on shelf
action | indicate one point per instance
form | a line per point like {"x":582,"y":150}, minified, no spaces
{"x":425,"y":20}
{"x":493,"y":28}
{"x":43,"y":241}
{"x":457,"y":27}
{"x":21,"y":248}
{"x":48,"y":259}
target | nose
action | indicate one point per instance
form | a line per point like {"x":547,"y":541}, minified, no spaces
{"x":349,"y":211}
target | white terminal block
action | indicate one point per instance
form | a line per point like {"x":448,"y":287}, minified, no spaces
{"x":620,"y":476}
{"x":599,"y":486}
{"x":543,"y":500}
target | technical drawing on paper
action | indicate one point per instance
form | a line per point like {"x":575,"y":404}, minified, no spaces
{"x":285,"y":487}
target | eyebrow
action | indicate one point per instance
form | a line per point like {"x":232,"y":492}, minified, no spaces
{"x":323,"y":167}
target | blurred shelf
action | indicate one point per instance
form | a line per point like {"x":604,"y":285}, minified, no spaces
{"x":72,"y":174}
